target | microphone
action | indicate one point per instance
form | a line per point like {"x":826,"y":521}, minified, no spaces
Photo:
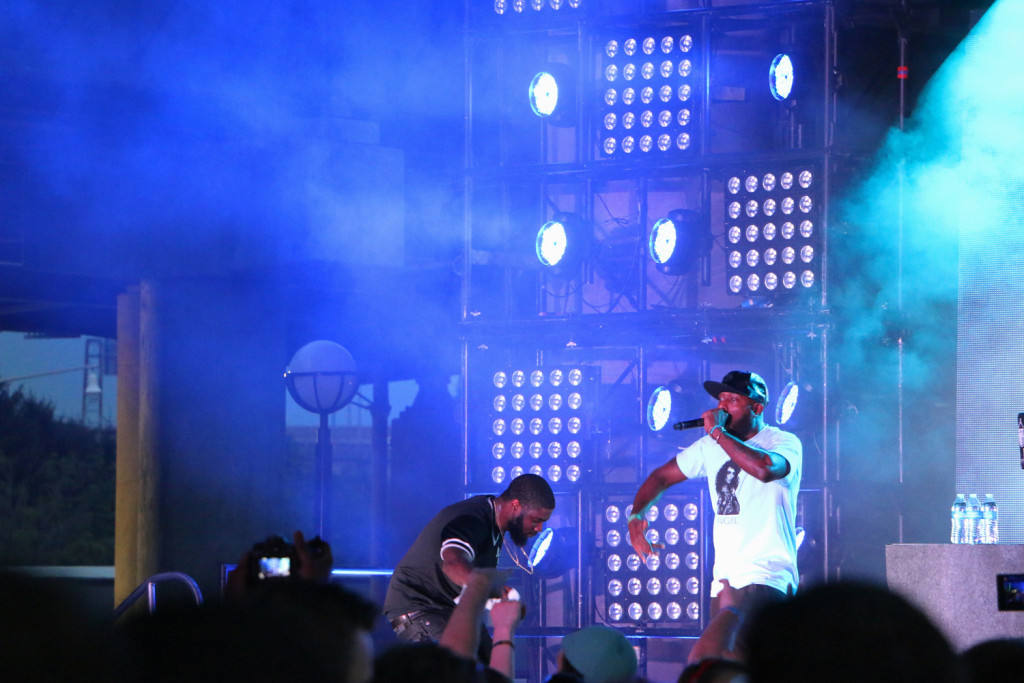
{"x":689,"y":424}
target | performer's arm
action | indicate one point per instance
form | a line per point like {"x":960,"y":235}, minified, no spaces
{"x":656,"y":484}
{"x":457,"y":564}
{"x":761,"y":464}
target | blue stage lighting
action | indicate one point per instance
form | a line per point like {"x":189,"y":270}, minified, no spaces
{"x":553,"y":552}
{"x":780,"y":77}
{"x":552,"y":243}
{"x":787,"y":403}
{"x":659,"y":409}
{"x":544,"y":94}
{"x":663,"y":241}
{"x":674,"y":242}
{"x":562,"y":244}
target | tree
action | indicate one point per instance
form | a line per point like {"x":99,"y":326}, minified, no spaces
{"x":57,"y":480}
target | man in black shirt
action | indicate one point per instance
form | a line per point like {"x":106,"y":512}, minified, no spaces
{"x":428,"y":580}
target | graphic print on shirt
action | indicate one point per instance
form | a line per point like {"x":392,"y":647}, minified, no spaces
{"x":726,"y":481}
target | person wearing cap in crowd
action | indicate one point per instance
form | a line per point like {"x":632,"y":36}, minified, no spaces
{"x":753,"y":472}
{"x":595,"y":654}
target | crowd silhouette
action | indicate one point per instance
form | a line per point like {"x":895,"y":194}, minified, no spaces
{"x":308,"y":629}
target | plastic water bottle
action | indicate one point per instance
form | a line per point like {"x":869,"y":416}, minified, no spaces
{"x":972,"y":523}
{"x":989,"y":520}
{"x":958,"y":519}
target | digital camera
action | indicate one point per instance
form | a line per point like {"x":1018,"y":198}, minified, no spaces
{"x":275,"y":558}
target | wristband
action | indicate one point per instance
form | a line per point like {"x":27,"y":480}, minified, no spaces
{"x":504,"y":642}
{"x":635,"y":515}
{"x":734,"y":610}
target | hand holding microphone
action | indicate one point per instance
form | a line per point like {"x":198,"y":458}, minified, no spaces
{"x":699,"y":422}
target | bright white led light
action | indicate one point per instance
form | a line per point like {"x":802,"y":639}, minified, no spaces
{"x":552,"y":242}
{"x":781,"y":77}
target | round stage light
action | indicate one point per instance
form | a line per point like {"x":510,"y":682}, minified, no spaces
{"x":543,"y":94}
{"x":674,"y":242}
{"x":659,"y":408}
{"x":787,"y":403}
{"x":551,"y":243}
{"x":663,"y":240}
{"x":781,"y":76}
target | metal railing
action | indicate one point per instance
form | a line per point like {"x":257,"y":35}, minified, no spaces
{"x":148,"y":587}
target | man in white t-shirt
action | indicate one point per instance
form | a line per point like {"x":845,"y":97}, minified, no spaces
{"x":753,"y":472}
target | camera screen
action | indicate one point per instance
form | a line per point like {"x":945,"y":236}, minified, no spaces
{"x":1010,"y":589}
{"x":271,"y":567}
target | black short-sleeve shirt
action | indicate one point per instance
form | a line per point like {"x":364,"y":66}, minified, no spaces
{"x":419,"y":582}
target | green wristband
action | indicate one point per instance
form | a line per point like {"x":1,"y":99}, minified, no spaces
{"x":635,"y":515}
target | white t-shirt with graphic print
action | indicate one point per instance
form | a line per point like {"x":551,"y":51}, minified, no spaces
{"x":755,"y":522}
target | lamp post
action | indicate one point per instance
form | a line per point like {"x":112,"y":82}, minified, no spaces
{"x":322,"y":379}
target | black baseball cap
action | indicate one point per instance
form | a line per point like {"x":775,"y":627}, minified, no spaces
{"x":749,"y":384}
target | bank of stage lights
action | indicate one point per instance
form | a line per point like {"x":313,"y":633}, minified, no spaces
{"x":665,"y":590}
{"x":647,"y":94}
{"x":772,"y":232}
{"x":539,"y":424}
{"x":514,"y":7}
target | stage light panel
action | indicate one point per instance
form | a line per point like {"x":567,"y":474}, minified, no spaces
{"x":772,"y":232}
{"x":539,"y":422}
{"x":646,"y":85}
{"x":665,"y":592}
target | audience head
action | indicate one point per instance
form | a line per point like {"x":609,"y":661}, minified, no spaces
{"x":599,"y":654}
{"x":714,"y":670}
{"x":292,"y":631}
{"x":850,"y":631}
{"x":45,"y":634}
{"x":424,"y":662}
{"x":992,"y":659}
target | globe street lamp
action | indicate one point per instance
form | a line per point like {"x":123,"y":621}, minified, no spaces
{"x":322,"y":379}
